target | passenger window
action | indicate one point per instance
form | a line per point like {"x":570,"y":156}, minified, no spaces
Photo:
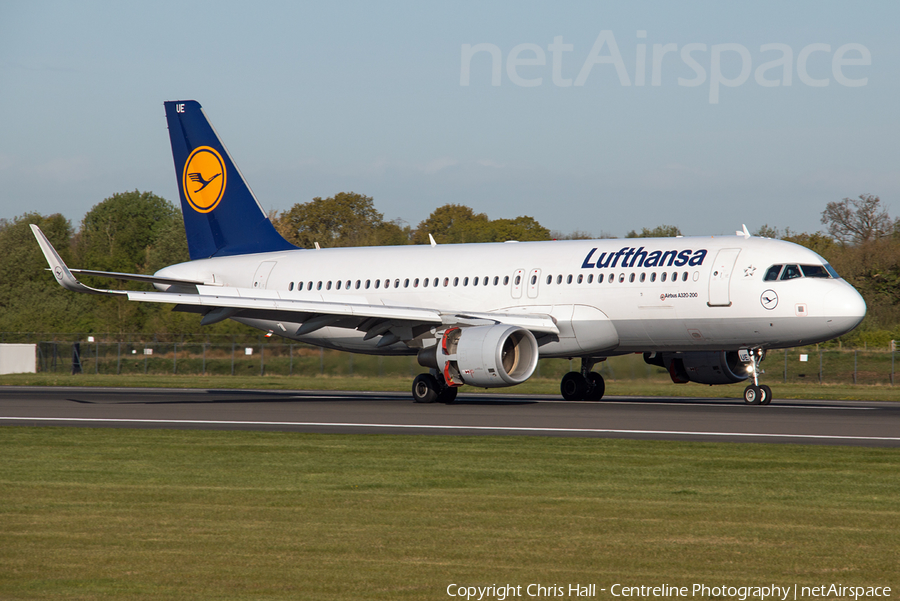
{"x":348,"y":285}
{"x":814,"y":271}
{"x":406,"y":283}
{"x":465,"y":281}
{"x":772,"y":273}
{"x":643,"y":277}
{"x":377,"y":284}
{"x":600,"y":279}
{"x":291,"y":287}
{"x":518,"y":280}
{"x":416,"y":283}
{"x":397,"y":283}
{"x":319,"y":286}
{"x":425,"y":283}
{"x":446,"y":282}
{"x":387,"y":283}
{"x":474,"y":281}
{"x":590,"y":278}
{"x":684,"y":276}
{"x":653,"y":277}
{"x":338,"y":285}
{"x":328,"y":287}
{"x":549,"y":279}
{"x":569,"y":279}
{"x":496,"y":280}
{"x":790,"y":272}
{"x":631,"y":278}
{"x":612,"y":278}
{"x":559,"y":279}
{"x":533,"y":280}
{"x":621,"y":278}
{"x":367,"y":284}
{"x":435,"y":282}
{"x":674,"y":276}
{"x":357,"y":284}
{"x":662,"y":277}
{"x":580,"y":278}
{"x":309,"y":286}
{"x":456,"y":281}
{"x":505,"y":280}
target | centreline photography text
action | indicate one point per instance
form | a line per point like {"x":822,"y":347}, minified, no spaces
{"x":740,"y":592}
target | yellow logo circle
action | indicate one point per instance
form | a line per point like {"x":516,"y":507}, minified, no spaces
{"x":204,"y":178}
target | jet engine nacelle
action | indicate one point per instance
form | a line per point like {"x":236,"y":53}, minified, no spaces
{"x":485,"y":356}
{"x":703,"y":367}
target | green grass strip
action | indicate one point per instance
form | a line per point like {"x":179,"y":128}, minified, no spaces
{"x":156,"y":514}
{"x":647,"y":387}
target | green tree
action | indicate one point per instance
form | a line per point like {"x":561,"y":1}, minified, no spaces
{"x":660,"y":231}
{"x":345,"y":219}
{"x":117,"y":233}
{"x":30,"y":298}
{"x":129,"y":232}
{"x":455,"y":224}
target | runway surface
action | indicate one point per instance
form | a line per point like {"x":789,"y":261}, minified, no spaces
{"x":808,"y":422}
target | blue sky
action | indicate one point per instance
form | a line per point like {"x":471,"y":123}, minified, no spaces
{"x":317,"y":98}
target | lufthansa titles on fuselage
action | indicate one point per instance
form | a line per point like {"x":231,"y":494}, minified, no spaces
{"x":638,"y":257}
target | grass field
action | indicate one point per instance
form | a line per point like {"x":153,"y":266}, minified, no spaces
{"x":403,"y":383}
{"x":155,"y":514}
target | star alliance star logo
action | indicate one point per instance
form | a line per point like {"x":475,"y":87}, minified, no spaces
{"x":749,"y":271}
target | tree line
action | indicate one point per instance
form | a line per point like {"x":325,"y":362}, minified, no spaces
{"x":140,"y":232}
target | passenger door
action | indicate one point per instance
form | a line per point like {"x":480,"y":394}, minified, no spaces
{"x":720,"y":277}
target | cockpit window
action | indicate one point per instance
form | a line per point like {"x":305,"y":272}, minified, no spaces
{"x":772,"y":273}
{"x":790,"y":272}
{"x":814,"y":271}
{"x":831,"y":270}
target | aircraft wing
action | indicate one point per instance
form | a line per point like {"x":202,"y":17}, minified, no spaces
{"x":67,"y":280}
{"x":221,"y":303}
{"x":392,"y":323}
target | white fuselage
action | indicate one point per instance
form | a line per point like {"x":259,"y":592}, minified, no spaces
{"x":607,"y":297}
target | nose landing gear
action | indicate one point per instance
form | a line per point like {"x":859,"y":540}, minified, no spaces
{"x":756,"y":394}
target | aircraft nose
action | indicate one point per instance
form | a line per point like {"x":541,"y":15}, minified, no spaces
{"x":845,"y":308}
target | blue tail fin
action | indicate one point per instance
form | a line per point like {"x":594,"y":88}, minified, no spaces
{"x":221,"y":215}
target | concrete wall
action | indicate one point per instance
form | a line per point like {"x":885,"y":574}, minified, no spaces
{"x":18,"y":358}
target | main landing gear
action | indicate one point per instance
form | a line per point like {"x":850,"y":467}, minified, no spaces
{"x":430,"y":388}
{"x":756,"y":394}
{"x":585,"y":385}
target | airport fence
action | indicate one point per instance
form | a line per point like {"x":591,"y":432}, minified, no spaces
{"x":260,"y":356}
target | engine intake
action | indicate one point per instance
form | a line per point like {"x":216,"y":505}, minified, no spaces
{"x":703,"y":367}
{"x":485,"y":356}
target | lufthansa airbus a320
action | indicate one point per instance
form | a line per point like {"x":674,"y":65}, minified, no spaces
{"x":706,"y":309}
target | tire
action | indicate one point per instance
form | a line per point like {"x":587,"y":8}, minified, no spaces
{"x":753,"y":395}
{"x":573,"y":386}
{"x":448,"y":395}
{"x":768,"y":392}
{"x":597,"y":386}
{"x":425,"y":389}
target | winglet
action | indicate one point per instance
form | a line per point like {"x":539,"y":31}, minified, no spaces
{"x":61,"y":271}
{"x":744,"y":231}
{"x":431,"y":239}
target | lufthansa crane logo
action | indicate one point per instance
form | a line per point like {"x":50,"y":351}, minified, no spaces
{"x":204,"y":178}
